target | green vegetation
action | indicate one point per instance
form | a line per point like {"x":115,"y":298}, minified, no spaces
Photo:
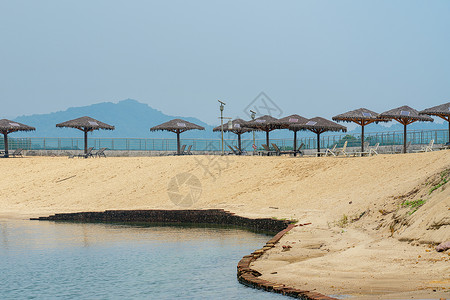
{"x":445,"y":176}
{"x":413,"y":205}
{"x":342,"y":222}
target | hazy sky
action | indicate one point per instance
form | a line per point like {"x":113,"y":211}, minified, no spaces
{"x":313,"y":58}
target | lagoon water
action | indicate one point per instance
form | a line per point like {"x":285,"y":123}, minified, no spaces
{"x":47,"y":260}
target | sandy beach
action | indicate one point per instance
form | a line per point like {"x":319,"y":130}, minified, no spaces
{"x":368,"y":238}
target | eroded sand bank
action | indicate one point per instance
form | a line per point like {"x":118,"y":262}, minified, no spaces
{"x":354,"y":204}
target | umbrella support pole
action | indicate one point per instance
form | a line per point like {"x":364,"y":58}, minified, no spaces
{"x":404,"y":138}
{"x":178,"y":143}
{"x":295,"y":143}
{"x":267,"y":138}
{"x":85,"y":141}
{"x":362,"y":139}
{"x":318,"y":143}
{"x":239,"y":142}
{"x":5,"y":135}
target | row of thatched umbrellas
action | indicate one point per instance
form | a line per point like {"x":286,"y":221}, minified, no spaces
{"x":404,"y":115}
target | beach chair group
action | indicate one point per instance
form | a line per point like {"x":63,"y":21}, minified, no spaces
{"x":278,"y":152}
{"x":90,"y":153}
{"x":236,"y":151}
{"x":16,"y":153}
{"x":334,"y":151}
{"x":183,"y":150}
{"x":426,"y":148}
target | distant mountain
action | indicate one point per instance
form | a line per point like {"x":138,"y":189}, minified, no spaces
{"x":133,"y":119}
{"x":395,"y":126}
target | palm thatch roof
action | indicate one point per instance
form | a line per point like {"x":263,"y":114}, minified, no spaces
{"x":8,"y":126}
{"x":85,"y":124}
{"x":286,"y":122}
{"x":362,"y":116}
{"x":405,"y":114}
{"x":319,"y":125}
{"x":238,"y":127}
{"x":265,"y":123}
{"x":177,"y":125}
{"x":440,"y":110}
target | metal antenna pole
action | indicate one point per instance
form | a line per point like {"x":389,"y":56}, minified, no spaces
{"x":253,"y":115}
{"x":221,"y":121}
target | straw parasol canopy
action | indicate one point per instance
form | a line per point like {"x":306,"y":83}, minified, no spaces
{"x":237,"y":127}
{"x":319,"y":125}
{"x":177,"y":126}
{"x":286,"y":122}
{"x":264,"y":123}
{"x":442,"y":111}
{"x":405,"y":115}
{"x":85,"y":124}
{"x":362,"y":117}
{"x":7,"y":127}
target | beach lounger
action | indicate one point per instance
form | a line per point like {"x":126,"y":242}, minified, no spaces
{"x":331,"y":151}
{"x":343,"y":150}
{"x":100,"y":152}
{"x":328,"y":151}
{"x":238,"y":151}
{"x":299,"y":150}
{"x":17,"y":152}
{"x":374,"y":150}
{"x":188,"y":151}
{"x":427,"y":148}
{"x":369,"y":151}
{"x":241,"y":152}
{"x":181,"y":150}
{"x":445,"y":146}
{"x":87,"y":154}
{"x":267,"y":150}
{"x":232,"y":150}
{"x":398,"y":150}
{"x":278,"y":151}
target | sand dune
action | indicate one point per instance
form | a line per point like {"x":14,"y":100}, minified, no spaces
{"x":363,"y":257}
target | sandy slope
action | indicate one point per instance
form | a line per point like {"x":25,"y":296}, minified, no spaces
{"x":361,"y":258}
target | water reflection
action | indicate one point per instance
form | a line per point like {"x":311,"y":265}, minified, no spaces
{"x":76,"y":260}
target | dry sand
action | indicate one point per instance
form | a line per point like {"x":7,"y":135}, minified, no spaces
{"x":361,"y":242}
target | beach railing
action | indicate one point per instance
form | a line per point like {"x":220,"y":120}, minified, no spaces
{"x":417,"y":137}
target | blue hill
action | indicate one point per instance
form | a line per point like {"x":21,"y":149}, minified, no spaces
{"x":131,"y":119}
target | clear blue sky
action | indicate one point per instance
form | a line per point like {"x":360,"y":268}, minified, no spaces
{"x":313,"y":58}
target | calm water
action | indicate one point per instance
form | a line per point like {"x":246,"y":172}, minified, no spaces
{"x":45,"y":260}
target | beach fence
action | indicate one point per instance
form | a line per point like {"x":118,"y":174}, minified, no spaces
{"x":417,"y":137}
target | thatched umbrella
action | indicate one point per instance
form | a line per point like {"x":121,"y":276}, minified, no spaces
{"x":86,"y":124}
{"x":264,"y":123}
{"x":286,"y":122}
{"x":362,"y":117}
{"x":177,"y":126}
{"x":442,"y":111}
{"x":238,"y":127}
{"x":7,"y":127}
{"x":405,"y":115}
{"x":319,"y":125}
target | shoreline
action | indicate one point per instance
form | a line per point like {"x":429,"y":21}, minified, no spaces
{"x":245,"y":274}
